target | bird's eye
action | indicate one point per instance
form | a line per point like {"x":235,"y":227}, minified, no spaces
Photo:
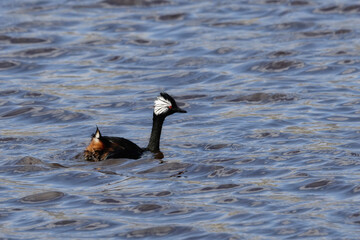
{"x":170,"y":107}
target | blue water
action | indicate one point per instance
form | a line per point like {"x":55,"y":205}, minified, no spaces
{"x":269,"y":148}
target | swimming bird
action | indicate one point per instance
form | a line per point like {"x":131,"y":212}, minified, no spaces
{"x":103,"y":147}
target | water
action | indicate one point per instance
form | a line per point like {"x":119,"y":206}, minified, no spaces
{"x":269,"y":148}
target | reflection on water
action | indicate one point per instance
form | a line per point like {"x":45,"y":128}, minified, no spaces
{"x":268,"y":149}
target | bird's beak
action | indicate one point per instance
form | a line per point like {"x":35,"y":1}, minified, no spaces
{"x":180,"y":110}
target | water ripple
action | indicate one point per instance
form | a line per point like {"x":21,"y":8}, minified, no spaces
{"x":270,"y":136}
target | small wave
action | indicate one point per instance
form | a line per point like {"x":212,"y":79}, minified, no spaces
{"x":123,"y":3}
{"x":278,"y":66}
{"x":4,"y":65}
{"x":316,"y":185}
{"x":42,"y":197}
{"x":339,"y":9}
{"x":158,"y":231}
{"x":264,"y":97}
{"x":172,"y":17}
{"x":44,"y":114}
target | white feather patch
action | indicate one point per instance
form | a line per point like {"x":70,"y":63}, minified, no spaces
{"x":161,"y":105}
{"x":97,"y":134}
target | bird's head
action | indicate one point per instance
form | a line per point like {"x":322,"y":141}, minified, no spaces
{"x":165,"y":105}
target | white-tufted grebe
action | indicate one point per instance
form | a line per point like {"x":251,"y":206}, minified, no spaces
{"x":103,"y":147}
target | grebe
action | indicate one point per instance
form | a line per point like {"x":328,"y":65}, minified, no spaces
{"x":103,"y":147}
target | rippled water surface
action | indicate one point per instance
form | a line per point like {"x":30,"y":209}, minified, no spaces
{"x":269,"y":148}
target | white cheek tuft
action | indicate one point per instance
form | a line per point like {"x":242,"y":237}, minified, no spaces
{"x":161,"y":105}
{"x":97,"y":135}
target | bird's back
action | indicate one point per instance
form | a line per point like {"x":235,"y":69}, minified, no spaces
{"x":118,"y":147}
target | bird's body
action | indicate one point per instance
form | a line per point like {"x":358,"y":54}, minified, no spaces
{"x":103,"y":147}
